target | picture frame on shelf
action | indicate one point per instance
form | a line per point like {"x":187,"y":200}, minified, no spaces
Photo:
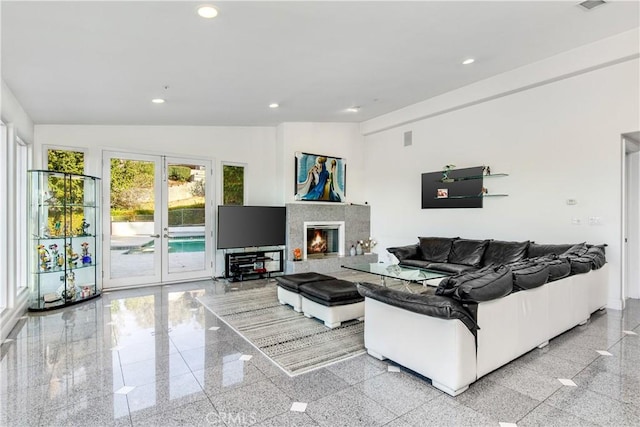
{"x":442,"y":193}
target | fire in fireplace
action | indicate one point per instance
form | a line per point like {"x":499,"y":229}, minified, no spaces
{"x":322,"y":241}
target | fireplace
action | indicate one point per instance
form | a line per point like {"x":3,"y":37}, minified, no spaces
{"x":322,"y":239}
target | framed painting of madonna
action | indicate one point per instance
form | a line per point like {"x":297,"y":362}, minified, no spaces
{"x":320,"y":178}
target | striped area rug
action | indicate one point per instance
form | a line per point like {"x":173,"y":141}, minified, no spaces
{"x":295,"y":343}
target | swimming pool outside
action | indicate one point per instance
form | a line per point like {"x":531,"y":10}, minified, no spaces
{"x":177,"y":245}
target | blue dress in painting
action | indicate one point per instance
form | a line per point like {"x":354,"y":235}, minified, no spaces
{"x":318,"y":191}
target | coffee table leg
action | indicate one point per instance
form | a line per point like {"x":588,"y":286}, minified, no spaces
{"x":406,"y":284}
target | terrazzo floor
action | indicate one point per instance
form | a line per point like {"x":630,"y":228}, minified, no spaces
{"x":154,"y":356}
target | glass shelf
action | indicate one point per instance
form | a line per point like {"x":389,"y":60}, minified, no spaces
{"x":70,"y":205}
{"x":64,"y":236}
{"x":42,"y":306}
{"x":62,"y":270}
{"x":465,"y":178}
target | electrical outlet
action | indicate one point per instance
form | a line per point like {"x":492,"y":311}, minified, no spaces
{"x":572,"y":202}
{"x":576,"y":221}
{"x":595,"y":220}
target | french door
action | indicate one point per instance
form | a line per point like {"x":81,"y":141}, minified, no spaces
{"x":159,"y":211}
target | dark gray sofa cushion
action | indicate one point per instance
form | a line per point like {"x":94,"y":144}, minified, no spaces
{"x":499,"y":252}
{"x":559,"y":268}
{"x":482,"y":285}
{"x":435,"y":249}
{"x":529,"y":275}
{"x":467,"y":252}
{"x":449,"y":267}
{"x":536,"y":250}
{"x":580,"y":265}
{"x":415,"y":263}
{"x":404,"y":252}
{"x":425,"y":303}
{"x":578,"y":249}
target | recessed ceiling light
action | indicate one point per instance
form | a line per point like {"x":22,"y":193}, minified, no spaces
{"x":274,"y":105}
{"x":158,"y":101}
{"x":468,"y":61}
{"x":353,"y":109}
{"x":207,"y":12}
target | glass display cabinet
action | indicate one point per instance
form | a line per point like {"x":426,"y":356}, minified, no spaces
{"x":65,"y":239}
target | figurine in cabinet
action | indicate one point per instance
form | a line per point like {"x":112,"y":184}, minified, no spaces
{"x":86,"y":256}
{"x":55,"y":257}
{"x":68,"y":290}
{"x":83,"y":230}
{"x":72,"y":257}
{"x":45,"y":260}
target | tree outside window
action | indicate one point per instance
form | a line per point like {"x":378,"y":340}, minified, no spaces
{"x":232,"y":185}
{"x":65,"y":161}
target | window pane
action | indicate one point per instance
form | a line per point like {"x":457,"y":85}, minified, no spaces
{"x":4,"y":197}
{"x":232,"y":185}
{"x":65,"y":161}
{"x":22,"y":166}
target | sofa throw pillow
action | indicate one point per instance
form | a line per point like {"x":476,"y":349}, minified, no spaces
{"x":404,"y":252}
{"x":499,"y":252}
{"x":530,"y":276}
{"x":435,"y":249}
{"x":482,"y":285}
{"x":597,"y":256}
{"x":467,"y":252}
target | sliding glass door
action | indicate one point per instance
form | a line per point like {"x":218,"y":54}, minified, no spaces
{"x":159,"y":219}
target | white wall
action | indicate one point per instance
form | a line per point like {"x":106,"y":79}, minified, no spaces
{"x":557,"y":141}
{"x":19,"y":124}
{"x":253,"y":146}
{"x":333,"y":139}
{"x":12,"y":112}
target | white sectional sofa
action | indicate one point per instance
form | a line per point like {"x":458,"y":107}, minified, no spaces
{"x":454,"y":355}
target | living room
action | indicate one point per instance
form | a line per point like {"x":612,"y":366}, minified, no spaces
{"x":556,"y":124}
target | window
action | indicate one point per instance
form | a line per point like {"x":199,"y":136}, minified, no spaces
{"x":4,"y":282}
{"x":61,"y":160}
{"x":23,"y":161}
{"x":233,"y":184}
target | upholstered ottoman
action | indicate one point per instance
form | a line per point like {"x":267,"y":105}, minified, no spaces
{"x":289,"y":287}
{"x":332,"y":301}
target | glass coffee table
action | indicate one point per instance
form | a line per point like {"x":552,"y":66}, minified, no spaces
{"x":405,"y":274}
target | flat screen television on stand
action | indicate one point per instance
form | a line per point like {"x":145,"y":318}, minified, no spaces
{"x":251,"y":226}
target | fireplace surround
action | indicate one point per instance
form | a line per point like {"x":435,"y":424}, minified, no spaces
{"x":357,"y":226}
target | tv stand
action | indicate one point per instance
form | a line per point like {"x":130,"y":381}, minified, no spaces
{"x":255,"y":264}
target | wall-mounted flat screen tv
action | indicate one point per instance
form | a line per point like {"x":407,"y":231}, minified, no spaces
{"x":251,"y":226}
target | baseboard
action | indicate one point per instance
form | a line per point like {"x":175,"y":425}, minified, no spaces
{"x":615,"y":304}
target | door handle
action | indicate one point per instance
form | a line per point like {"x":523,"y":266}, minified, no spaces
{"x":155,"y":235}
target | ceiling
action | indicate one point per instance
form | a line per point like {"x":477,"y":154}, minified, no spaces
{"x":92,"y":62}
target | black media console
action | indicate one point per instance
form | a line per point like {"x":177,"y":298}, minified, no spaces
{"x":257,"y":264}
